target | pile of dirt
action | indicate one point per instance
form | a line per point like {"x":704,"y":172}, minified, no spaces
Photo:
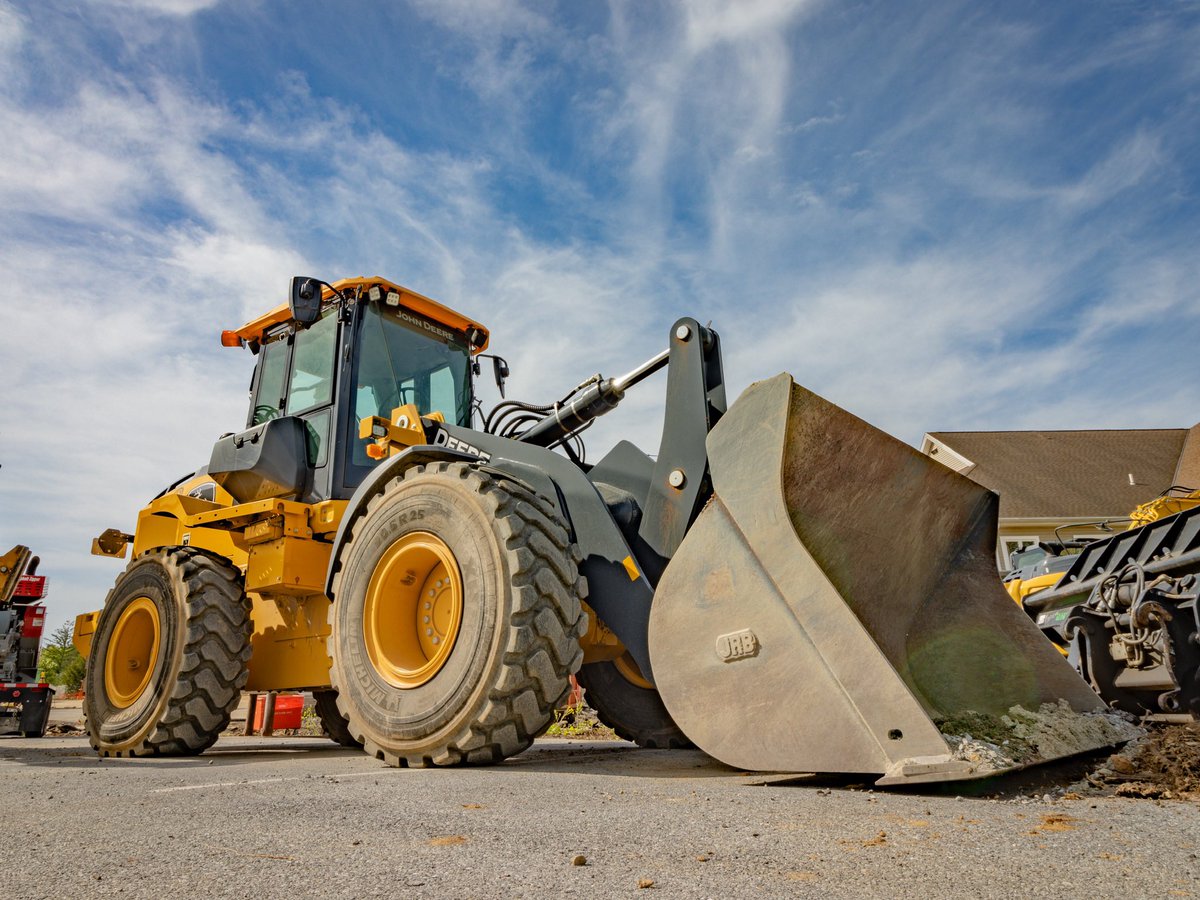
{"x":1053,"y":731}
{"x":1162,"y":765}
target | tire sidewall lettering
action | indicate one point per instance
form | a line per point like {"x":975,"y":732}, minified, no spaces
{"x":450,"y":510}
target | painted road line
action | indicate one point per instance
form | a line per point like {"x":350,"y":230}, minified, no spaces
{"x":220,"y":784}
{"x":212,"y":785}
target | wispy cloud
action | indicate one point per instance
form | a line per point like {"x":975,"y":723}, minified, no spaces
{"x":713,"y":22}
{"x":162,"y":7}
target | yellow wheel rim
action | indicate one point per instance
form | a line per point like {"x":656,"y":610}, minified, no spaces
{"x":630,"y":672}
{"x":132,"y":652}
{"x":413,"y":610}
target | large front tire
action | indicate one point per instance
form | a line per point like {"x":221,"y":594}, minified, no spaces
{"x":168,"y":659}
{"x":456,"y":619}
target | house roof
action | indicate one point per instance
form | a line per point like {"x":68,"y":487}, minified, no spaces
{"x":1075,"y":474}
{"x":1187,"y":472}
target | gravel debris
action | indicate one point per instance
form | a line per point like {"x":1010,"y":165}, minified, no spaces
{"x":1023,"y":736}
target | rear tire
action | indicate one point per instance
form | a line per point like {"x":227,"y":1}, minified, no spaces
{"x":635,"y":712}
{"x":497,"y":565}
{"x":334,"y":723}
{"x":168,"y":659}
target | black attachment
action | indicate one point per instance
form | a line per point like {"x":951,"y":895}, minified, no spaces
{"x":305,"y":300}
{"x":499,"y":368}
{"x":572,"y":416}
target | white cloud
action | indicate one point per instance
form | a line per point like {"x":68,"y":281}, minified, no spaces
{"x":711,"y":22}
{"x":12,"y":28}
{"x":505,"y":36}
{"x":1126,"y":166}
{"x":163,"y":7}
{"x":485,"y":19}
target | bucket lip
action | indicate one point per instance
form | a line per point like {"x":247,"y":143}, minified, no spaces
{"x":923,"y":769}
{"x":927,"y":769}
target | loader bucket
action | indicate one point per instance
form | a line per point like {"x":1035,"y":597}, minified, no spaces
{"x":838,"y":599}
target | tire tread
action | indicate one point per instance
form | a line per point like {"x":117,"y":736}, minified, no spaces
{"x":542,"y":646}
{"x":214,"y":663}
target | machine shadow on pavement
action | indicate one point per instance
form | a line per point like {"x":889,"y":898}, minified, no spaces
{"x":546,"y":757}
{"x":75,"y":753}
{"x":553,"y":756}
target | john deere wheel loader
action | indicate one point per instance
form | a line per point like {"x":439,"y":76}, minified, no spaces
{"x":782,"y":585}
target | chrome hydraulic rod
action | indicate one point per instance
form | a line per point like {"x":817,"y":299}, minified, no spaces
{"x":591,"y":403}
{"x":642,"y":372}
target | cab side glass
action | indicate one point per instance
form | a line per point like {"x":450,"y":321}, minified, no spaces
{"x":273,"y":371}
{"x":314,"y":355}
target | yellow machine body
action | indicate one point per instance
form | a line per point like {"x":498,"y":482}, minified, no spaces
{"x":282,"y":548}
{"x":1160,"y":507}
{"x":1020,"y":588}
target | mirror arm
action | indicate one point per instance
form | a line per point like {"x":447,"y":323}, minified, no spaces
{"x":499,"y":368}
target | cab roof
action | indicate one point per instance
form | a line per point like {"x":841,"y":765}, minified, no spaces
{"x":255,"y":329}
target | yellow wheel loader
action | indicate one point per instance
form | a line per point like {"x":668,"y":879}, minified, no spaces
{"x":783,"y":585}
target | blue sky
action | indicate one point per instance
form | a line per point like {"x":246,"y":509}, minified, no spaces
{"x":940,"y":215}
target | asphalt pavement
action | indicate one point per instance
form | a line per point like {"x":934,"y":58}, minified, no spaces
{"x":297,"y":817}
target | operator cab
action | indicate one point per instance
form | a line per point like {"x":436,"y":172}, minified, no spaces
{"x":337,"y":353}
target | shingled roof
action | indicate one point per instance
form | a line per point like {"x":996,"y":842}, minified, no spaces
{"x":1077,"y":474}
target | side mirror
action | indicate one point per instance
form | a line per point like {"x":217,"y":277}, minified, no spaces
{"x":305,"y":299}
{"x":500,"y":370}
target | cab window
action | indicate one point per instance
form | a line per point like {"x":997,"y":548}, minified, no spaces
{"x":399,"y":364}
{"x":314,"y":354}
{"x":272,"y":373}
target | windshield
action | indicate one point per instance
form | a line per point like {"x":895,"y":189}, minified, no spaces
{"x":399,"y":364}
